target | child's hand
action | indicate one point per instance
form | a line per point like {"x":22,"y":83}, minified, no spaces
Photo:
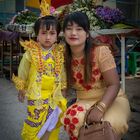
{"x":21,"y":95}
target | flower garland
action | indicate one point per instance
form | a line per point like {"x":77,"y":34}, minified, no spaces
{"x":59,"y":58}
{"x":36,"y":55}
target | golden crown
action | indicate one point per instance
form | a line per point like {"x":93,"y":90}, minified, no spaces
{"x":45,"y":8}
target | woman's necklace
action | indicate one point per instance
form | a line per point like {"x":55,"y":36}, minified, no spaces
{"x":78,"y":56}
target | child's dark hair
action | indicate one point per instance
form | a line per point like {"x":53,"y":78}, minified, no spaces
{"x":47,"y":21}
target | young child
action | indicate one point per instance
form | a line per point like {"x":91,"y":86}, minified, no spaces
{"x":41,"y":79}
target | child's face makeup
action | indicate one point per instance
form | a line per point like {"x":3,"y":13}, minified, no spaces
{"x":47,"y":37}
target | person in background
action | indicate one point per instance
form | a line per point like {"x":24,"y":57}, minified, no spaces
{"x":91,"y":71}
{"x":41,"y":79}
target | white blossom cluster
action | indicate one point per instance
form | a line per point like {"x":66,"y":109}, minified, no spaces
{"x":86,"y":7}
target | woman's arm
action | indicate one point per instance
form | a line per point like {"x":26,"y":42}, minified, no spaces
{"x":113,"y":85}
{"x":111,"y":79}
{"x":107,"y":67}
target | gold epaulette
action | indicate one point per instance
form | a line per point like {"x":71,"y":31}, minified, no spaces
{"x":28,"y":45}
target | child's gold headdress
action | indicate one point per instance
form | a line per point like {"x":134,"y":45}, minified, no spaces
{"x":45,"y":8}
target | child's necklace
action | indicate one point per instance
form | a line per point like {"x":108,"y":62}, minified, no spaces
{"x":44,"y":49}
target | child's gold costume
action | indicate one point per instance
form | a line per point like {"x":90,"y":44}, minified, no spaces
{"x":42,"y":76}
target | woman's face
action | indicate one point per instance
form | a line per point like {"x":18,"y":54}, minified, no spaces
{"x":75,"y":35}
{"x":47,"y":37}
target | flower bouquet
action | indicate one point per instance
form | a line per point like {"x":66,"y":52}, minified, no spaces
{"x":23,"y":22}
{"x":88,"y":7}
{"x":100,"y":17}
{"x":108,"y":16}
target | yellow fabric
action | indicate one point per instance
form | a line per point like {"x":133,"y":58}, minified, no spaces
{"x":30,"y":133}
{"x":41,"y":84}
{"x":35,"y":3}
{"x":118,"y":114}
{"x":20,"y":84}
{"x":106,"y":59}
{"x":45,"y":80}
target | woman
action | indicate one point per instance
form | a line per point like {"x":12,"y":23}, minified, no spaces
{"x":91,"y":70}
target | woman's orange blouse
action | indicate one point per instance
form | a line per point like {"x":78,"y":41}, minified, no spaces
{"x":101,"y":60}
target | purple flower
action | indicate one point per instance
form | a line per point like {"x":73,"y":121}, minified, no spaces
{"x":109,"y":15}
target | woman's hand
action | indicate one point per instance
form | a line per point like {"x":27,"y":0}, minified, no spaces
{"x":21,"y":95}
{"x":95,"y":115}
{"x":64,"y":92}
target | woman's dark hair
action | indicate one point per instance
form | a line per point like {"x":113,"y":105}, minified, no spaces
{"x":39,"y":1}
{"x":79,"y":18}
{"x":47,"y":21}
{"x":82,"y":20}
